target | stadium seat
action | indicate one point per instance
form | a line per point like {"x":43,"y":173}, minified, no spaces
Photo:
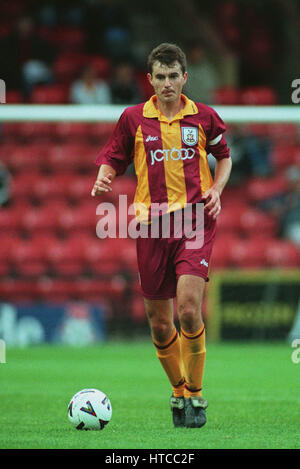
{"x":10,"y":219}
{"x":67,"y":157}
{"x":221,"y":251}
{"x":259,"y":189}
{"x":100,"y":64}
{"x":260,"y":95}
{"x":23,"y":184}
{"x":50,"y":94}
{"x":27,"y":259}
{"x":100,"y":132}
{"x":10,"y":132}
{"x":39,"y":219}
{"x":68,"y":39}
{"x":282,"y":253}
{"x":80,"y":186}
{"x":283,"y":156}
{"x":30,"y":157}
{"x":14,"y":97}
{"x":35,"y":132}
{"x":65,"y":257}
{"x":73,"y":131}
{"x":248,"y":253}
{"x":55,"y":186}
{"x":284,"y":133}
{"x":227,"y":95}
{"x":17,"y":290}
{"x":229,"y":218}
{"x":254,"y":222}
{"x":68,"y":66}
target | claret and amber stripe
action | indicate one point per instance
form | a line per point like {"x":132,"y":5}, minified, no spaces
{"x":192,"y":336}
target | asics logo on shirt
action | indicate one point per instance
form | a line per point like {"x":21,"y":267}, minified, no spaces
{"x":173,"y":154}
{"x":151,"y":139}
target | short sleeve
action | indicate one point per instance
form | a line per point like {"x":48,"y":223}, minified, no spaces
{"x":217,"y":126}
{"x":118,"y":151}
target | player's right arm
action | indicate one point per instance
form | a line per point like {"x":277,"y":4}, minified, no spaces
{"x":103,"y":182}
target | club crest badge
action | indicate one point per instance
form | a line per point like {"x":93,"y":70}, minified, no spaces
{"x":189,"y":135}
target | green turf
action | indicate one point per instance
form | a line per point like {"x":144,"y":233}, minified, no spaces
{"x":253,"y":394}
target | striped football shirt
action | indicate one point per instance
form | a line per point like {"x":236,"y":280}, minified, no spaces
{"x":170,"y":157}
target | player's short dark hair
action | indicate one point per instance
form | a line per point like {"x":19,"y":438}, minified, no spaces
{"x":166,"y":54}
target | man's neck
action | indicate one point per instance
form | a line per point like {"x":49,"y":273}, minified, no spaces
{"x":169,"y":110}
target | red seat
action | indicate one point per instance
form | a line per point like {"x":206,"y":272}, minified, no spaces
{"x":14,"y":97}
{"x":27,"y":258}
{"x":57,"y":185}
{"x":221,"y":251}
{"x":254,"y":222}
{"x":100,"y":64}
{"x":73,"y":131}
{"x":50,"y":94}
{"x":260,"y":95}
{"x":39,"y":219}
{"x":283,"y":156}
{"x":39,"y":131}
{"x":68,"y":66}
{"x":248,"y":253}
{"x":10,"y":220}
{"x":68,"y":39}
{"x":227,"y":95}
{"x":101,"y":131}
{"x":80,"y":187}
{"x":65,"y":257}
{"x":229,"y":218}
{"x":18,"y":289}
{"x":258,"y":189}
{"x":65,"y":157}
{"x":23,"y":184}
{"x":30,"y":157}
{"x":284,"y":133}
{"x":282,"y":253}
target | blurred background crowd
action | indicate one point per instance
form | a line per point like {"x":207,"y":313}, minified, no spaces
{"x":94,"y":52}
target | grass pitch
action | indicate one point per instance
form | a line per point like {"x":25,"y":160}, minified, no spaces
{"x":253,"y":394}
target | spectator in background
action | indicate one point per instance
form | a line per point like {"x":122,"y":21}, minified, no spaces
{"x":5,"y":185}
{"x":286,"y":206}
{"x":26,"y":57}
{"x":124,"y":88}
{"x":203,"y":75}
{"x":89,"y":89}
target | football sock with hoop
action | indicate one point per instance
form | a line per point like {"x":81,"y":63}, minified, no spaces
{"x":169,"y":355}
{"x":193,"y":355}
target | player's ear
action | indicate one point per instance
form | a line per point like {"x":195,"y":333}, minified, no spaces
{"x":149,"y":76}
{"x":185,"y":76}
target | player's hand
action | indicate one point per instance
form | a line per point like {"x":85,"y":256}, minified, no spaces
{"x":212,"y":202}
{"x":102,"y":184}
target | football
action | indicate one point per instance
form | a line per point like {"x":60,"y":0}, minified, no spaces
{"x":89,"y":409}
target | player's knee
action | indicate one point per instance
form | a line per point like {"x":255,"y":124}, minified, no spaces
{"x":189,"y":312}
{"x":161,"y":331}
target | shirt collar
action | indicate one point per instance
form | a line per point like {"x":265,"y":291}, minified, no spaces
{"x":151,"y":111}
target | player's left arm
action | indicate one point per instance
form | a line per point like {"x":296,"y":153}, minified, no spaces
{"x":213,"y":195}
{"x":219,"y":149}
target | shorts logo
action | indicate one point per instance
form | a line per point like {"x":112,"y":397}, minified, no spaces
{"x":189,"y":135}
{"x":173,"y":154}
{"x":203,"y":262}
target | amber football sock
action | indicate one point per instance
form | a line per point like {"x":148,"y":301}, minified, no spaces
{"x":193,"y":355}
{"x":169,"y":356}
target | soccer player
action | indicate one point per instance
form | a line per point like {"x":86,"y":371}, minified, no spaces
{"x":168,"y":139}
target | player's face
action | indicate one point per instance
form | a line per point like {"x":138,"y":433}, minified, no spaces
{"x":167,"y":81}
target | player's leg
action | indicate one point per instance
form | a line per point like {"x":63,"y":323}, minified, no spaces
{"x":167,"y":344}
{"x":190,"y":291}
{"x":166,"y":340}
